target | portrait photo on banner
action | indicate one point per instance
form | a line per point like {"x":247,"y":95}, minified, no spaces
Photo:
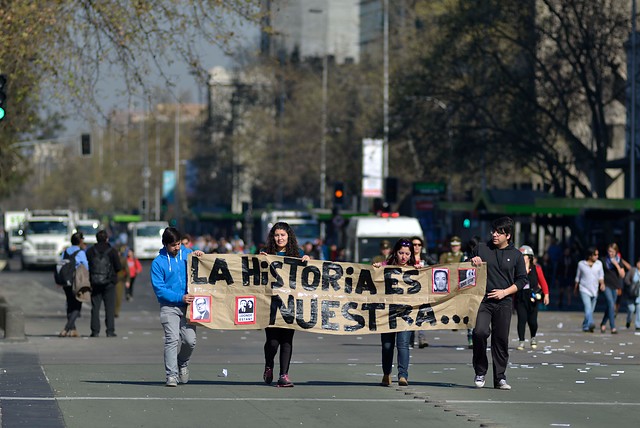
{"x":201,"y":308}
{"x":441,"y":281}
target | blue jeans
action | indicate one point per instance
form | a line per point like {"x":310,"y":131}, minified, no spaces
{"x":589,"y":306}
{"x":633,"y":306}
{"x":401,"y":341}
{"x":611,"y":294}
{"x":177,"y":335}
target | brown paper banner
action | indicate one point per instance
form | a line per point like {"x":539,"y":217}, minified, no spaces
{"x":253,"y":292}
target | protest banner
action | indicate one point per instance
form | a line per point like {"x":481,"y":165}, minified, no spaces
{"x":258,"y":291}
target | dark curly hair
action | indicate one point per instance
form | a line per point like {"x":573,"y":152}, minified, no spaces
{"x":291,"y":249}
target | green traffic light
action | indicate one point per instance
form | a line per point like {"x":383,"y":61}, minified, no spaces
{"x":1,"y":113}
{"x":466,"y":223}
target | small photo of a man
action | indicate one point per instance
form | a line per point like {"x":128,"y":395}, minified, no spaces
{"x":201,"y":308}
{"x":466,"y":278}
{"x":441,"y":281}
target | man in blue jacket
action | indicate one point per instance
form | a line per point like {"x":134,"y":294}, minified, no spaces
{"x":506,"y":274}
{"x":169,"y":280}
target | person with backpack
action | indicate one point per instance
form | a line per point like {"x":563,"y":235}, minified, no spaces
{"x":104,"y":263}
{"x":76,"y":256}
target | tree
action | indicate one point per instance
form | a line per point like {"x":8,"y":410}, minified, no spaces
{"x":55,"y":50}
{"x":528,"y":84}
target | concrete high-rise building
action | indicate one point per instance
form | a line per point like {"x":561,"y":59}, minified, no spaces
{"x":312,"y":28}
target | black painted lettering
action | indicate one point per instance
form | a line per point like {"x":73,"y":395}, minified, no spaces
{"x":314,"y":273}
{"x":426,"y":315}
{"x":220,"y":271}
{"x":287,"y":312}
{"x":399,"y":311}
{"x":328,"y":313}
{"x":273,"y":268}
{"x":414,"y":285}
{"x":365,"y":283}
{"x":372,"y":308}
{"x":293,"y":270}
{"x":357,"y":318}
{"x":195,"y":264}
{"x":264,"y":276}
{"x":300,"y":314}
{"x":390,"y":281}
{"x":250,"y":271}
{"x":331,"y":273}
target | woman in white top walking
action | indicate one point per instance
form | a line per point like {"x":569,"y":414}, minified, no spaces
{"x":589,"y":277}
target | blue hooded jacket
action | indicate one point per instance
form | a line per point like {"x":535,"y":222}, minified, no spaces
{"x":169,"y":276}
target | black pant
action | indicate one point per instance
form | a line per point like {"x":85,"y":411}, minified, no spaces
{"x":129,"y":291}
{"x":282,"y":337}
{"x":527,"y":314}
{"x":494,"y":318}
{"x":98,"y":294}
{"x":73,"y":308}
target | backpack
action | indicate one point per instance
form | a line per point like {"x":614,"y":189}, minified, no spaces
{"x":65,"y":271}
{"x":101,"y":269}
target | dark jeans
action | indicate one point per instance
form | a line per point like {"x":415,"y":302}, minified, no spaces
{"x":494,"y":318}
{"x":100,"y":293}
{"x":73,"y":308}
{"x":278,"y":337}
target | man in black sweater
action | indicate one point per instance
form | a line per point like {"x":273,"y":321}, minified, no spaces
{"x":506,"y":274}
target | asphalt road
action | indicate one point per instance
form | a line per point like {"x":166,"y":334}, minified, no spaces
{"x":573,"y":378}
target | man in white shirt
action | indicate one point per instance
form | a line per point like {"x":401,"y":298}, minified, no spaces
{"x":589,"y":277}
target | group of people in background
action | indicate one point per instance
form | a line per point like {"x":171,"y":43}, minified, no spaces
{"x":112,"y":273}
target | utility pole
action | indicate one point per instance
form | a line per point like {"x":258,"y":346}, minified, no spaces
{"x":632,"y":135}
{"x":385,"y":94}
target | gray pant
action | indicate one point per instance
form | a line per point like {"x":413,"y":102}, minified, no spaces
{"x":179,"y":338}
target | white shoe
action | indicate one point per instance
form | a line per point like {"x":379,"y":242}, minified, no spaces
{"x":534,"y":343}
{"x":479,"y":381}
{"x":503,"y":385}
{"x":172,"y":381}
{"x":520,"y":346}
{"x":183,"y":374}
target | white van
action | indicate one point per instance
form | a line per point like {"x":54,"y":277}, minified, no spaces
{"x":146,"y":237}
{"x":364,"y":235}
{"x":89,"y":228}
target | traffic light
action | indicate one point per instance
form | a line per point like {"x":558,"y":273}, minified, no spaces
{"x":85,"y":141}
{"x":3,"y":95}
{"x":338,"y":193}
{"x":466,"y":223}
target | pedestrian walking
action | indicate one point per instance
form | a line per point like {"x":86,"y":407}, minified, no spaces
{"x":613,"y":280}
{"x":281,"y":241}
{"x":506,"y":275}
{"x":535,"y":291}
{"x":589,"y":277}
{"x":135,"y":269}
{"x":401,"y":255}
{"x":169,"y":281}
{"x":104,"y":263}
{"x":632,"y":294}
{"x":73,"y":305}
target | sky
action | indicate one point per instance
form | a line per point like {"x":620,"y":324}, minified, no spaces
{"x":111,"y":88}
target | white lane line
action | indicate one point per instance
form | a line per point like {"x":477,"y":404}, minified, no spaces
{"x":337,"y":400}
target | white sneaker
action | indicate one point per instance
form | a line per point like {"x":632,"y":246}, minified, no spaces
{"x":172,"y":381}
{"x":503,"y":385}
{"x":520,"y":346}
{"x":534,"y":343}
{"x":183,"y":375}
{"x":479,"y":381}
